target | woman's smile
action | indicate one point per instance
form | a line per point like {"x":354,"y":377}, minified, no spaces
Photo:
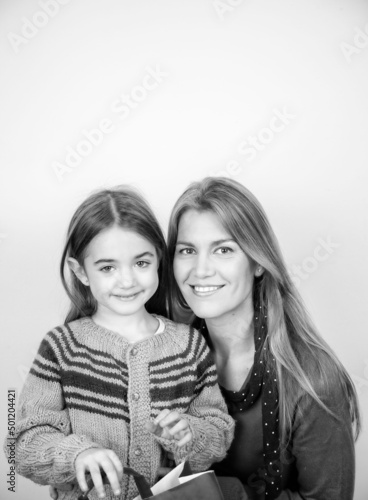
{"x":205,"y":290}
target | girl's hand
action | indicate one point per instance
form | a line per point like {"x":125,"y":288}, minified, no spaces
{"x":62,"y":487}
{"x":93,"y":461}
{"x":170,"y":425}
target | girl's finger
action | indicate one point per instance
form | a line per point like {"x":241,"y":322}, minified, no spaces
{"x":154,"y":428}
{"x":185,"y":440}
{"x":118,"y":465}
{"x":179,"y":435}
{"x":80,"y":472}
{"x":163,"y":414}
{"x":62,"y":486}
{"x":112,"y":475}
{"x":53,"y":492}
{"x":97,"y":480}
{"x":182,"y":425}
{"x":169,"y":419}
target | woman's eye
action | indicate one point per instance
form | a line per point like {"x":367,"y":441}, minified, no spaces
{"x":224,"y":250}
{"x":186,"y":251}
{"x":142,"y":263}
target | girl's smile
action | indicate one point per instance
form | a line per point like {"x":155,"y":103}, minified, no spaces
{"x":127,"y":297}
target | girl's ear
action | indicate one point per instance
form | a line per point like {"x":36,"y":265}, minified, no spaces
{"x":78,"y":270}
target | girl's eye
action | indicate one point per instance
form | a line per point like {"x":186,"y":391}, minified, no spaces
{"x":186,"y":251}
{"x":224,"y":250}
{"x":106,"y":269}
{"x":142,"y":263}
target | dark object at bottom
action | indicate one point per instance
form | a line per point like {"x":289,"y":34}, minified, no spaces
{"x":203,"y":487}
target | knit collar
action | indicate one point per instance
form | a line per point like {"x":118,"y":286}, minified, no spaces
{"x":107,"y":337}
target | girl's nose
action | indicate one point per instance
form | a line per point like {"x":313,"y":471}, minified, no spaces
{"x":126,"y":278}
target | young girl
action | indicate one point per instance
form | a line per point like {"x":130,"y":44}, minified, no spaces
{"x":118,"y":384}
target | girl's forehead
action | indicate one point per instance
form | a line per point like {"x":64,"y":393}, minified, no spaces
{"x":119,"y":240}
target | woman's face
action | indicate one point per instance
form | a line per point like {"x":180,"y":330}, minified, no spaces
{"x":213,"y":273}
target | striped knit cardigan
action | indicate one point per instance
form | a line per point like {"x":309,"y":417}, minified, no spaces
{"x":88,"y":387}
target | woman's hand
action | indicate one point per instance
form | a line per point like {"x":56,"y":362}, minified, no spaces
{"x":94,"y":461}
{"x":170,"y":425}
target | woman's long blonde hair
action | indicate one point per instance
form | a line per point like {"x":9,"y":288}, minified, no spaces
{"x":305,"y":364}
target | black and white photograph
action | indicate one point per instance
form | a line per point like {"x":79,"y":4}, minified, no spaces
{"x":183,"y":249}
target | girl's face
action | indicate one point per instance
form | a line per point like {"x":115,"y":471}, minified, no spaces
{"x":120,"y":267}
{"x":213,"y":273}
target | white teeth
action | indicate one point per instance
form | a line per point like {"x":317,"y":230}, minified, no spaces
{"x":126,"y":297}
{"x":204,"y":289}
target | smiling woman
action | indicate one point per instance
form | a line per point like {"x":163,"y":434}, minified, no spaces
{"x":293,"y":402}
{"x":211,"y":268}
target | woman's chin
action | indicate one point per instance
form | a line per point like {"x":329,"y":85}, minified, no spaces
{"x":206,"y":311}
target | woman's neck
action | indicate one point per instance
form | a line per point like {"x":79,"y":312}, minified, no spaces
{"x":232,"y":334}
{"x":133,"y":328}
{"x":233,"y":347}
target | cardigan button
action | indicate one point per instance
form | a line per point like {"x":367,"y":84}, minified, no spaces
{"x":134,"y":351}
{"x":138,"y":452}
{"x":135,"y":396}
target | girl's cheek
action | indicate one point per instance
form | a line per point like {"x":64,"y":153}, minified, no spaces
{"x":157,"y":281}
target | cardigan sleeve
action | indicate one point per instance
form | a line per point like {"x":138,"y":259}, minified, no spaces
{"x":45,"y":446}
{"x":208,"y":418}
{"x":323,"y":447}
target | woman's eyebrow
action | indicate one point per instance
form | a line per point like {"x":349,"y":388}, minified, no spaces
{"x":221,"y":242}
{"x":212,"y":243}
{"x":186,"y":243}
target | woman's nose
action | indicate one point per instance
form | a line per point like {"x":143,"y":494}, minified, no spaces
{"x":203,"y":267}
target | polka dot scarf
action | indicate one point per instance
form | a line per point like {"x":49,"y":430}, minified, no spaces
{"x":262,"y":383}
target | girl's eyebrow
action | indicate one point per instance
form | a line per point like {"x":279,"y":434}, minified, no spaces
{"x":99,"y":261}
{"x":213,"y":243}
{"x":149,"y":254}
{"x":109,"y":261}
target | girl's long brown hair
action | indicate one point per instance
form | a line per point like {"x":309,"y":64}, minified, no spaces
{"x":121,"y":206}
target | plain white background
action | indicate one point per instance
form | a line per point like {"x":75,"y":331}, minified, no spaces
{"x":224,"y":72}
